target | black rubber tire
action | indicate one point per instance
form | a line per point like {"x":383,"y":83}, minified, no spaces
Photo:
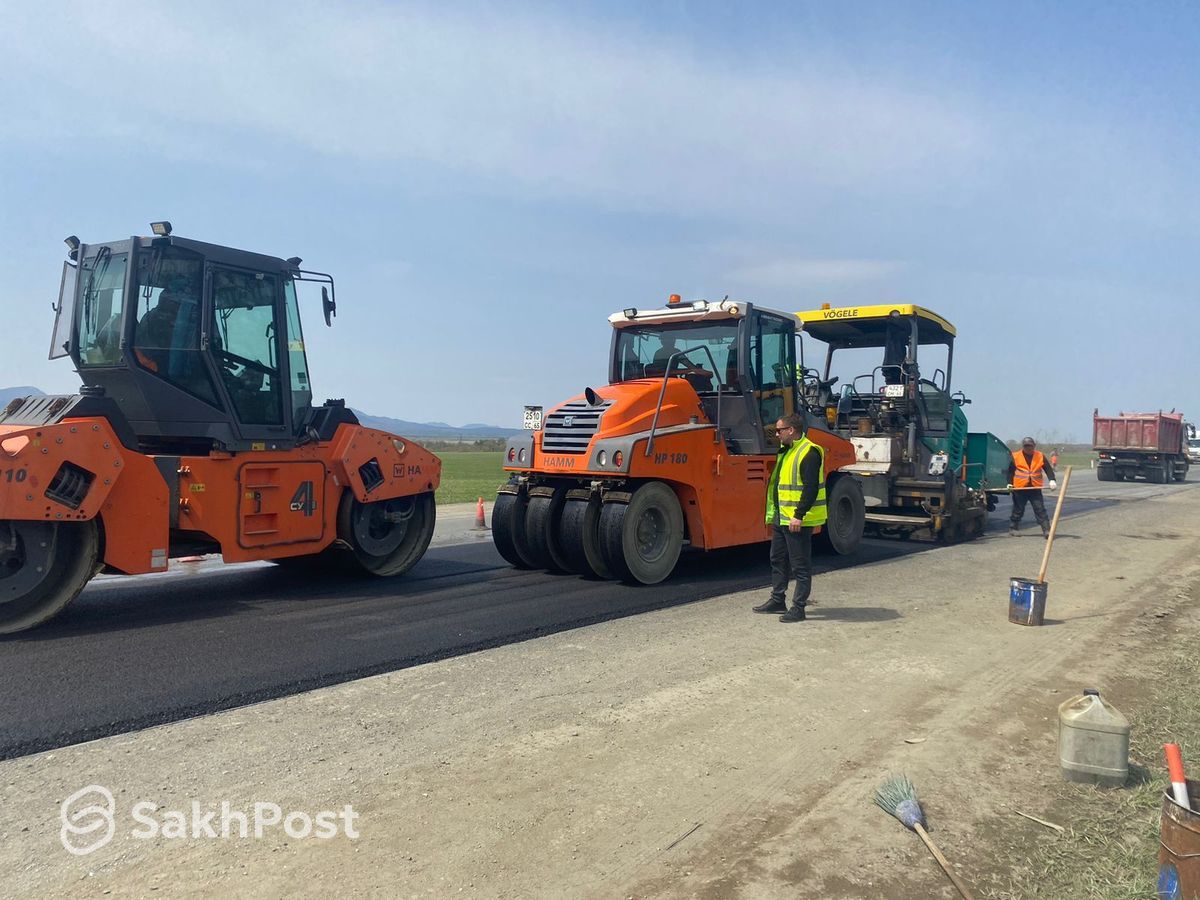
{"x":72,"y":557}
{"x":542,"y":529}
{"x":508,"y":528}
{"x":579,"y":538}
{"x":1106,"y":473}
{"x":379,"y":546}
{"x":641,"y":540}
{"x":847,"y":510}
{"x":1158,"y":475}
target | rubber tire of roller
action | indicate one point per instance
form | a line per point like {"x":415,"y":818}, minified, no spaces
{"x":847,"y":509}
{"x":542,"y":529}
{"x":508,"y":528}
{"x":411,"y":548}
{"x":75,"y":560}
{"x":579,"y":538}
{"x":653,"y":514}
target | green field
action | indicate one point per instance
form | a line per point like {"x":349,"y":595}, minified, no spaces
{"x":470,"y":474}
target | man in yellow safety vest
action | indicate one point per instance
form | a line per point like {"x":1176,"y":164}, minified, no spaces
{"x":795,"y":506}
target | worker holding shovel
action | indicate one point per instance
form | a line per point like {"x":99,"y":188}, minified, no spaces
{"x":1027,"y":473}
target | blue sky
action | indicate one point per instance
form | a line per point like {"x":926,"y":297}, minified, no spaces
{"x":489,"y":181}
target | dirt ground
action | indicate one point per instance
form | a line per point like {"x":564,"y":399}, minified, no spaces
{"x":700,"y":751}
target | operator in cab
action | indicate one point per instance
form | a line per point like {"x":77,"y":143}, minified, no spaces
{"x":795,"y":506}
{"x":1028,"y":472}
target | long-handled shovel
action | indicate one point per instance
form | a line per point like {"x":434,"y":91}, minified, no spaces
{"x":1062,"y":495}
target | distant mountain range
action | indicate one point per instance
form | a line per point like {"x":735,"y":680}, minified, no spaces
{"x":438,"y":430}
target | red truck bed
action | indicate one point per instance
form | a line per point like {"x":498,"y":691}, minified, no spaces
{"x":1155,"y":432}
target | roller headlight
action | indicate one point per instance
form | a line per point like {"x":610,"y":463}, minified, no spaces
{"x":602,"y":457}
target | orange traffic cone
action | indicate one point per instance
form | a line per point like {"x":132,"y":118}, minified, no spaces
{"x":480,"y":522}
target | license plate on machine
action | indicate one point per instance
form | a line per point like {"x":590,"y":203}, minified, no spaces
{"x":893,"y":390}
{"x":532,"y":420}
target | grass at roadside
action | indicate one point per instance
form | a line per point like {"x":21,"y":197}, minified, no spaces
{"x":1110,"y":849}
{"x":1076,"y":458}
{"x":469,"y":474}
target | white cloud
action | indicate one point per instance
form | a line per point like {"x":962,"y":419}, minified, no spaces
{"x":528,"y":105}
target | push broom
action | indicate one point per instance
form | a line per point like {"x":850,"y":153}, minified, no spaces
{"x":897,"y":797}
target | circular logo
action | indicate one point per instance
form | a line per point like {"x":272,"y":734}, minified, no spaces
{"x":87,"y":818}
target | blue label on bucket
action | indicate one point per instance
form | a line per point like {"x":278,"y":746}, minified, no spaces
{"x":1168,"y":883}
{"x":1021,"y":594}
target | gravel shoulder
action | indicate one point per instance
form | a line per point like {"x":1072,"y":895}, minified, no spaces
{"x":700,"y":751}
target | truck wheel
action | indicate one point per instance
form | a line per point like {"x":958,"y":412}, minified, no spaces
{"x":641,"y":540}
{"x":387,"y":537}
{"x":43,"y":567}
{"x":1106,"y":473}
{"x":579,"y":538}
{"x":847,"y":515}
{"x":1158,"y":475}
{"x":508,"y":528}
{"x":542,"y":528}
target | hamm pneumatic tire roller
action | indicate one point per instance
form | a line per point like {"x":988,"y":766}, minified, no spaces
{"x":195,"y":433}
{"x":676,"y":450}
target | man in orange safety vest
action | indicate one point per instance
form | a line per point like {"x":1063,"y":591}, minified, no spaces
{"x":1028,"y":472}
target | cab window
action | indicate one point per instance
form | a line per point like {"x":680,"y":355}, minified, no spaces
{"x":166,"y":331}
{"x":100,"y":307}
{"x":773,"y":368}
{"x":297,"y":360}
{"x":245,"y":342}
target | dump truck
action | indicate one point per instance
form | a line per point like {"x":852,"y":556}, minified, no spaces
{"x":676,"y":450}
{"x":1152,"y":445}
{"x":922,"y":471}
{"x":194,"y":432}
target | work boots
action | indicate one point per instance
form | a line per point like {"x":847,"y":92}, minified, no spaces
{"x":1045,"y":531}
{"x":771,"y":606}
{"x":795,"y":614}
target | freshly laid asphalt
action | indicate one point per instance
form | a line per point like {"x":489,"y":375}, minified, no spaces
{"x":135,"y":652}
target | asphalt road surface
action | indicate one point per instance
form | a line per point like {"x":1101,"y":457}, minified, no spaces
{"x":135,"y":652}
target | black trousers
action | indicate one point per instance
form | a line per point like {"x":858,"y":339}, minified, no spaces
{"x":1034,"y":499}
{"x":791,"y":558}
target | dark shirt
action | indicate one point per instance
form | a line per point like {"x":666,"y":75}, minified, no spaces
{"x":1012,"y":467}
{"x":810,"y":476}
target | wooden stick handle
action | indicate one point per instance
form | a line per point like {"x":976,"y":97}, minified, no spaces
{"x":1062,"y":495}
{"x":937,"y":854}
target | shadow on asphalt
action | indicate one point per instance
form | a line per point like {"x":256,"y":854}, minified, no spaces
{"x":852,"y":613}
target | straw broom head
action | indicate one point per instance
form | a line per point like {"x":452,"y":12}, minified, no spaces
{"x":897,"y":797}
